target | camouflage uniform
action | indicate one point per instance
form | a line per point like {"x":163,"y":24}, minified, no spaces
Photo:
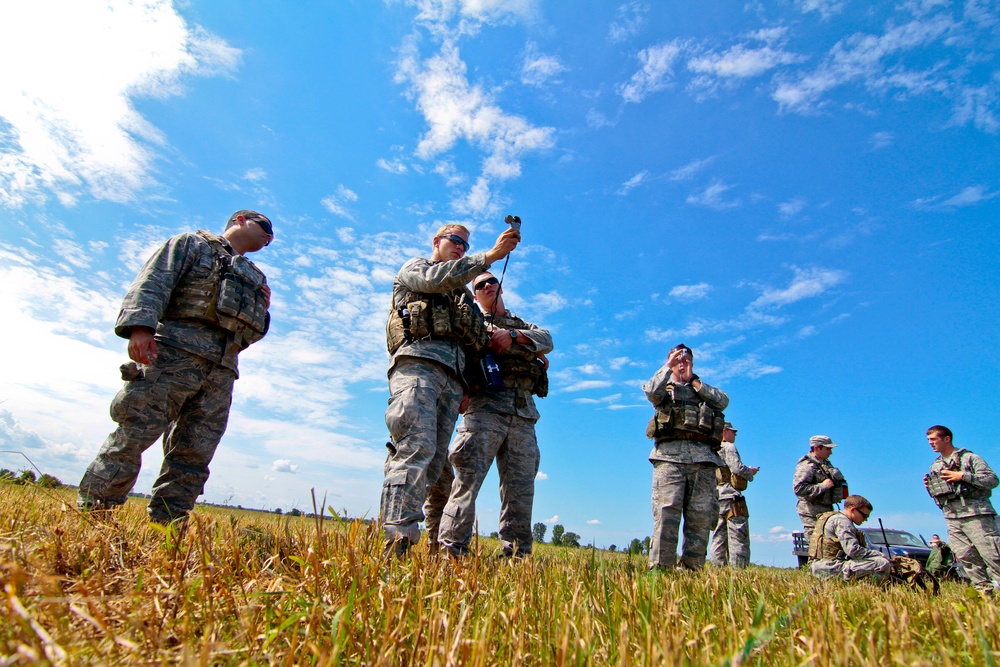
{"x":970,"y":517}
{"x":814,"y":500}
{"x":683,"y":483}
{"x":184,"y":395}
{"x":731,"y":539}
{"x":497,"y":425}
{"x":853,"y":560}
{"x":426,"y":387}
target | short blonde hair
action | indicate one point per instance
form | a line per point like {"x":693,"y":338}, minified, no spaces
{"x":450,"y":227}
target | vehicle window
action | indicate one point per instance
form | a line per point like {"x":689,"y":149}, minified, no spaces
{"x":897,"y":538}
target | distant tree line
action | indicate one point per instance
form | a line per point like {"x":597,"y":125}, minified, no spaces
{"x":46,"y":481}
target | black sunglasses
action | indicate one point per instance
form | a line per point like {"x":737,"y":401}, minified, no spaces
{"x":264,"y":223}
{"x":483,"y":283}
{"x":458,"y":240}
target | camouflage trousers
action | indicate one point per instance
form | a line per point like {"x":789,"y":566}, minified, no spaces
{"x":976,"y":544}
{"x":186,"y":399}
{"x":682,"y":490}
{"x":437,"y":498}
{"x":423,"y":409}
{"x":510,"y":440}
{"x":874,"y":565}
{"x":731,"y":539}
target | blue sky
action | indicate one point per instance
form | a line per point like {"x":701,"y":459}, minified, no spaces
{"x":803,"y":191}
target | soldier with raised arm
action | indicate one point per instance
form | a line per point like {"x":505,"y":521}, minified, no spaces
{"x":196,"y":304}
{"x":687,"y":430}
{"x":433,"y":323}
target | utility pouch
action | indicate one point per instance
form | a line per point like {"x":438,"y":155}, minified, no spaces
{"x":541,"y":387}
{"x":689,"y":417}
{"x":418,"y":319}
{"x":706,"y":418}
{"x":738,"y":483}
{"x":131,"y":371}
{"x":440,"y":320}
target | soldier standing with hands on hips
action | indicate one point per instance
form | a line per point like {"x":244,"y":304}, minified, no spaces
{"x":196,"y":304}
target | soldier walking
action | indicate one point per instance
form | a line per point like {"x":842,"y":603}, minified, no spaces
{"x":687,"y":429}
{"x":731,"y":539}
{"x":196,"y":304}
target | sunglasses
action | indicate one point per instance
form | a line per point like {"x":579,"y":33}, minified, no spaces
{"x":265,"y":224}
{"x":483,"y":283}
{"x":862,"y":512}
{"x":458,"y":240}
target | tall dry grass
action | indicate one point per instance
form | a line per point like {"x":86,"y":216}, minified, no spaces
{"x":246,"y":588}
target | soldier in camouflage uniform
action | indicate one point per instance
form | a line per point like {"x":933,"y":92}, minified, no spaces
{"x":817,"y":483}
{"x":499,"y":424}
{"x":731,"y":539}
{"x":687,"y":429}
{"x":961,"y":484}
{"x":842,"y":552}
{"x":196,"y":304}
{"x":431,"y":325}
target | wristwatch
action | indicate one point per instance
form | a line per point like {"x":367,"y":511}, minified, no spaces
{"x":513,"y":335}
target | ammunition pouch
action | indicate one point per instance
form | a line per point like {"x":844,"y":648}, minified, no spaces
{"x":738,"y":508}
{"x":521,"y":369}
{"x":941,"y":490}
{"x":436,"y":317}
{"x":723,"y":476}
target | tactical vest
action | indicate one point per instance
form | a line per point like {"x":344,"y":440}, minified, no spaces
{"x":684,"y":415}
{"x":828,"y":548}
{"x":943,"y":491}
{"x":520,"y":368}
{"x":230,"y":297}
{"x":834,"y":494}
{"x":447,"y":316}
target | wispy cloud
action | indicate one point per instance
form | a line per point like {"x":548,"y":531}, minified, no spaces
{"x":806,"y":283}
{"x":791,"y":208}
{"x":633,"y":182}
{"x":539,"y":69}
{"x":394,"y":166}
{"x":337,"y":203}
{"x":631,"y":19}
{"x":690,"y":170}
{"x":689,"y":293}
{"x":713,"y":197}
{"x":70,"y":125}
{"x":655,"y":72}
{"x":969,"y":196}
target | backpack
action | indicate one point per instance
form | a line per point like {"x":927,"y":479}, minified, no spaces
{"x":909,"y":571}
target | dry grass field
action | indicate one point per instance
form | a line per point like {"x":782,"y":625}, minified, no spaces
{"x":251,"y":588}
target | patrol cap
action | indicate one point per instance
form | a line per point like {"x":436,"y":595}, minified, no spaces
{"x":730,"y":426}
{"x":821,"y":441}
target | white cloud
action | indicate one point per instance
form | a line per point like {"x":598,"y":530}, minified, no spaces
{"x":538,"y":69}
{"x":688,"y":293}
{"x":741,"y":61}
{"x":631,"y":19}
{"x":690,"y":170}
{"x":880,"y":140}
{"x":970,"y":196}
{"x":541,"y":476}
{"x":454,"y":109}
{"x":791,"y":208}
{"x":69,"y":125}
{"x":713,"y":197}
{"x":585,"y":385}
{"x":825,"y":8}
{"x":655,"y":73}
{"x":284,"y":465}
{"x":594,"y":522}
{"x":805,"y":284}
{"x":552,"y":520}
{"x":396,"y":166}
{"x":466,"y":17}
{"x":337,"y":203}
{"x":633,"y":182}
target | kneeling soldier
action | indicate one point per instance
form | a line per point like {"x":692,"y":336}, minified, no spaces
{"x":840,"y":549}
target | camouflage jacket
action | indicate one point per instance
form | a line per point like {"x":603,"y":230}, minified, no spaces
{"x":810,"y":473}
{"x":183,"y":258}
{"x":841,"y":529}
{"x":978,"y":482}
{"x":683,"y":451}
{"x":731,"y":458}
{"x":422,"y":276}
{"x":504,"y":401}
